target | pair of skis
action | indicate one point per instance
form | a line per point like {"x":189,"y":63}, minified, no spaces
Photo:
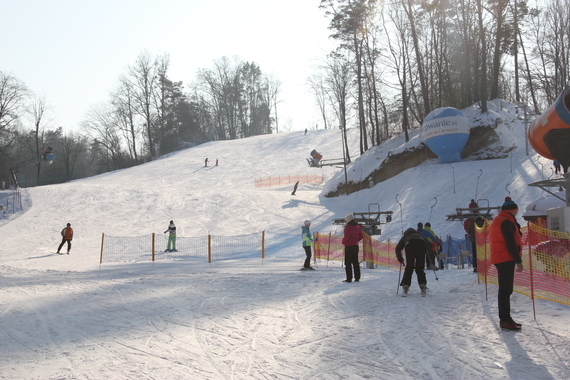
{"x":424,"y":292}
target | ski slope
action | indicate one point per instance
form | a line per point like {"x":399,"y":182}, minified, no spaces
{"x":67,"y":317}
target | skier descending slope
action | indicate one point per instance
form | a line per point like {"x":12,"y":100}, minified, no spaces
{"x":415,"y":247}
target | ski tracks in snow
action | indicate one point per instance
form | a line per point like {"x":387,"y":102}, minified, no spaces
{"x":259,"y":322}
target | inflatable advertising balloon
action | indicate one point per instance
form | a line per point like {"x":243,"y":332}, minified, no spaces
{"x":549,"y":134}
{"x":446,"y":131}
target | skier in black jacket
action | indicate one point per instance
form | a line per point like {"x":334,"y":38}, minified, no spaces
{"x":415,"y":247}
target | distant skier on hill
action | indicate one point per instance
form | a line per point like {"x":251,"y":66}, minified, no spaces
{"x":295,"y":188}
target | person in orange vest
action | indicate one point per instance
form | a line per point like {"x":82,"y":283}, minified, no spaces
{"x":506,"y":247}
{"x":67,"y":236}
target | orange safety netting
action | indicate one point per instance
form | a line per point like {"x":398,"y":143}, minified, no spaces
{"x":329,"y":247}
{"x":287,"y":180}
{"x":546,"y":261}
{"x":545,"y":257}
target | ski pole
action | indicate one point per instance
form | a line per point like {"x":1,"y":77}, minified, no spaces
{"x":432,"y":265}
{"x":399,"y":274}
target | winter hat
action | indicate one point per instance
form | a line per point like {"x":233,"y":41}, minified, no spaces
{"x":420,"y":226}
{"x":307,"y":222}
{"x":509,"y":205}
{"x":349,"y":218}
{"x":428,"y":224}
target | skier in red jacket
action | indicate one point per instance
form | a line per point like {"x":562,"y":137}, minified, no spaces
{"x":352,"y":235}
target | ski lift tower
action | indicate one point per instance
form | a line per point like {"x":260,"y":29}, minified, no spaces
{"x":467,"y":213}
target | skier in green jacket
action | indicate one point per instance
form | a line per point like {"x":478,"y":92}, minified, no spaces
{"x":307,"y":243}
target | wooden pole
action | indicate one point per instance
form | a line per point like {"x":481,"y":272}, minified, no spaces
{"x":262,"y":245}
{"x":153,"y":246}
{"x":102,"y":241}
{"x":209,"y":248}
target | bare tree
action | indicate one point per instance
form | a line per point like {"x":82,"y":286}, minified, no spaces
{"x":397,"y":54}
{"x":38,"y":110}
{"x":13,"y":101}
{"x":73,"y":148}
{"x":317,"y":84}
{"x":552,"y":51}
{"x":483,"y":41}
{"x":270,"y":96}
{"x":219,"y":86}
{"x":351,"y":21}
{"x":101,"y":125}
{"x":410,"y":13}
{"x":123,"y":101}
{"x":337,"y":79}
{"x":499,"y":11}
{"x":143,"y":76}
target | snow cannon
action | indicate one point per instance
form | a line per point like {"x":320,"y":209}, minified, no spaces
{"x":316,"y":155}
{"x":549,"y":134}
{"x":446,"y":131}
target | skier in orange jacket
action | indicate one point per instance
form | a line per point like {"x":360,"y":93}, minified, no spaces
{"x":67,"y":236}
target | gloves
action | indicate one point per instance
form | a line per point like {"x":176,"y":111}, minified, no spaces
{"x":401,"y":260}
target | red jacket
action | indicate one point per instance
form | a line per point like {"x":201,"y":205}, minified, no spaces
{"x":352,"y":234}
{"x":505,"y":239}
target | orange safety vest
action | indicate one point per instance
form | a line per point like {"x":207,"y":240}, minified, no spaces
{"x":499,"y":251}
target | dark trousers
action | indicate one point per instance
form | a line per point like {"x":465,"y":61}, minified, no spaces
{"x":506,"y":277}
{"x":308,"y":259}
{"x":474,"y":249}
{"x":415,"y":260}
{"x":63,"y":242}
{"x":351,"y":262}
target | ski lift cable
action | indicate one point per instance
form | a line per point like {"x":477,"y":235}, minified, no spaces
{"x":477,"y":186}
{"x":431,"y":209}
{"x":401,"y":215}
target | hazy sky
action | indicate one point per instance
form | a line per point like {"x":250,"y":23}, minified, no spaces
{"x":73,"y":51}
